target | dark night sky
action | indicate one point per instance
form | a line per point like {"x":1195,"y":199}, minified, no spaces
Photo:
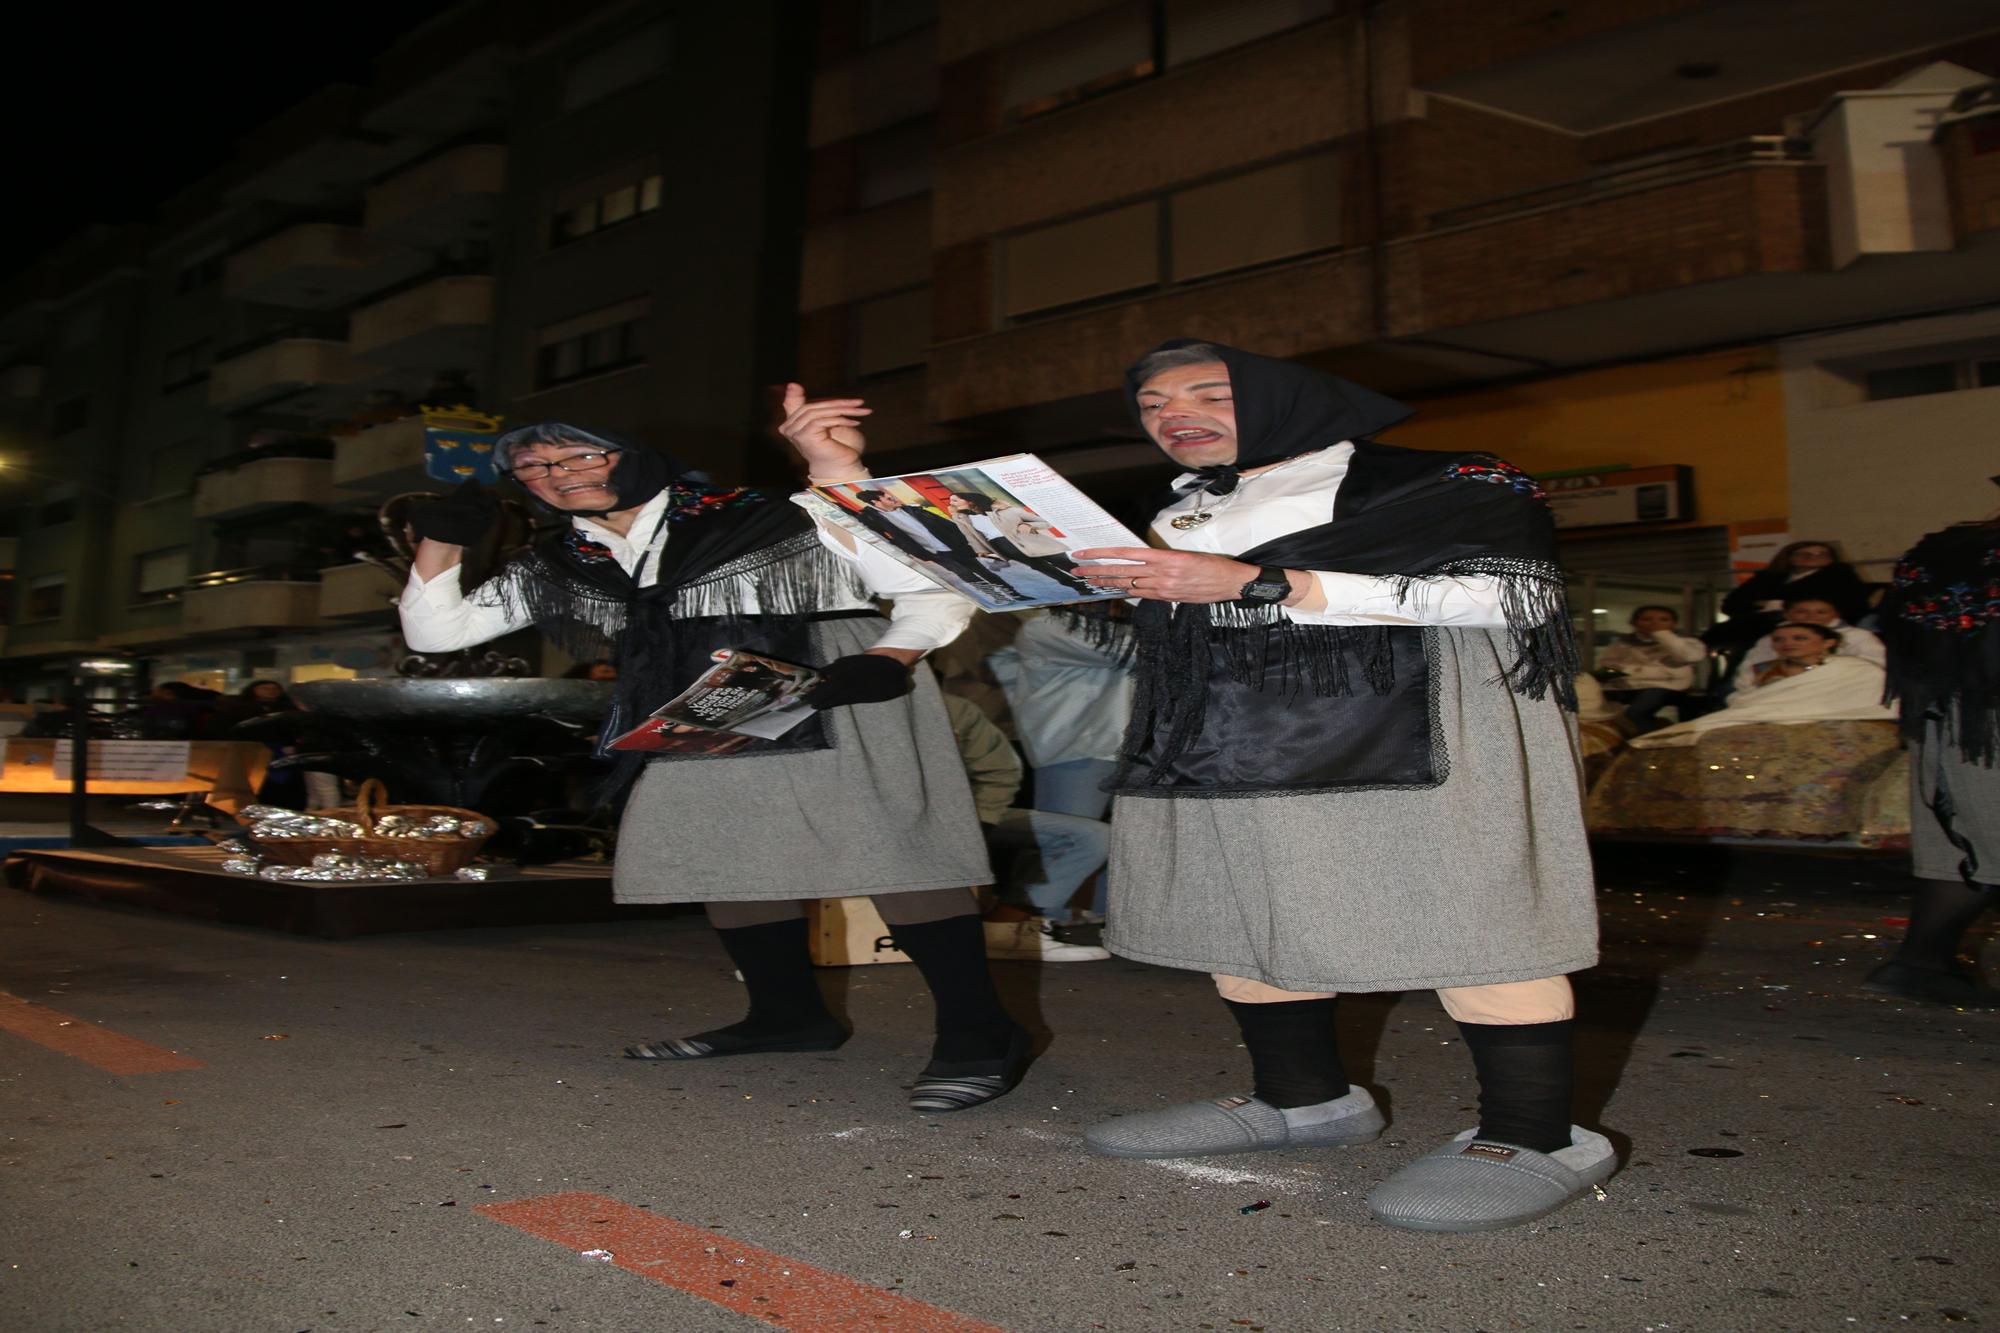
{"x":112,"y":110}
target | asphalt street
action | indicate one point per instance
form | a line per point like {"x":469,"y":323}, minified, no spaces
{"x":435,"y":1131}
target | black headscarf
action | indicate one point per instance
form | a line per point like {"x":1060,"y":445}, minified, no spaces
{"x":1282,"y":408}
{"x":1237,"y":699}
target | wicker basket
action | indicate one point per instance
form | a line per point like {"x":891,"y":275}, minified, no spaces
{"x":439,"y":856}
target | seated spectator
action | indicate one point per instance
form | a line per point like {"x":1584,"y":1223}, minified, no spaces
{"x":1756,"y":606}
{"x":174,"y":710}
{"x":1854,"y":642}
{"x":1651,"y":667}
{"x":1808,"y":681}
{"x":1041,"y":857}
{"x":592,"y":671}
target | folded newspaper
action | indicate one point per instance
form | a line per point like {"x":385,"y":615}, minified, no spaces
{"x":998,"y":531}
{"x":742,"y":699}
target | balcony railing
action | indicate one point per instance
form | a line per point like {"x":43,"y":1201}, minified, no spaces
{"x":442,"y":199}
{"x":228,"y":601}
{"x":264,"y":483}
{"x":1653,"y":172}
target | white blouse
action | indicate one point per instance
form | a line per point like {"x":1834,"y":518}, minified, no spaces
{"x":1298,"y":494}
{"x":438,"y":616}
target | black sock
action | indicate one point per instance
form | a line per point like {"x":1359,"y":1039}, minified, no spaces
{"x":951,"y":954}
{"x":1527,"y":1080}
{"x":776,"y":962}
{"x":1940,"y":914}
{"x":1294,"y":1050}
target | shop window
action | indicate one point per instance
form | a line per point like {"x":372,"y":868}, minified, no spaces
{"x":1197,"y":28}
{"x":1273,"y":213}
{"x":892,"y":332}
{"x":593,"y":344}
{"x":617,"y":65}
{"x":1912,"y":381}
{"x":1093,"y":258}
{"x":45,"y":597}
{"x":159,"y":576}
{"x":1081,"y":60}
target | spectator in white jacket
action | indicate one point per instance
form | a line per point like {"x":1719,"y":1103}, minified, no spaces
{"x":1651,"y":667}
{"x":1854,"y":641}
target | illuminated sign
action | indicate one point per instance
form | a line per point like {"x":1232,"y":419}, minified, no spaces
{"x":1622,"y":495}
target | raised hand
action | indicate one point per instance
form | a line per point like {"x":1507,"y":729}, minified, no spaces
{"x":827,"y":433}
{"x":459,"y":519}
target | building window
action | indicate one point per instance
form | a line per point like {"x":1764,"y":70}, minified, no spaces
{"x":1079,"y":61}
{"x":198,"y":273}
{"x":71,"y":414}
{"x":894,"y":163}
{"x":1258,"y":217}
{"x":187,"y":365}
{"x":159,"y":576}
{"x":45,"y":597}
{"x":1197,"y":28}
{"x":55,"y":513}
{"x":1986,"y":374}
{"x":593,"y":344}
{"x":617,"y":65}
{"x":599,"y":208}
{"x":1912,"y":381}
{"x":892,"y":332}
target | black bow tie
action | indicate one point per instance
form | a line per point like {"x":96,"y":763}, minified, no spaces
{"x":1216,"y":479}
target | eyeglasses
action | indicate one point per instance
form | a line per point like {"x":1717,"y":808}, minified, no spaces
{"x":535,"y":469}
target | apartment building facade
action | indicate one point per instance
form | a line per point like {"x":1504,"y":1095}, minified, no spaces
{"x":1594,"y":239}
{"x":586,"y":213}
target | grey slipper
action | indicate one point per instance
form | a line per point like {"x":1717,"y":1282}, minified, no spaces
{"x":1238,"y":1124}
{"x":1471,"y":1184}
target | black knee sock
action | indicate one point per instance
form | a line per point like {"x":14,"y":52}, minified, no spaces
{"x":1940,"y":914}
{"x":776,"y":962}
{"x":1294,"y":1050}
{"x":1527,"y":1080}
{"x":951,"y":954}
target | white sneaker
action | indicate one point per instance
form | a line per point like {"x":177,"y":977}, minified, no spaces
{"x":1034,"y":941}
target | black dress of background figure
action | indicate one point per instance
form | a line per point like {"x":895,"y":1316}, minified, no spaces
{"x":1835,"y":582}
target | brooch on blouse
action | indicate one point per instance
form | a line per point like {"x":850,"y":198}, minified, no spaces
{"x":1194,"y":520}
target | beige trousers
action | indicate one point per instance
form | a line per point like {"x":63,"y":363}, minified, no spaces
{"x":1512,"y":1003}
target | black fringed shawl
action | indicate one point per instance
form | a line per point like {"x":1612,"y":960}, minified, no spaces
{"x":1940,"y":622}
{"x":722,"y":545}
{"x":1238,"y":700}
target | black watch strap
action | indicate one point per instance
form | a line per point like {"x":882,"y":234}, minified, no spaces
{"x":1269,"y":586}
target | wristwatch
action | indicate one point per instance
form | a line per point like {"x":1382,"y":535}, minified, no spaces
{"x":1269,"y":586}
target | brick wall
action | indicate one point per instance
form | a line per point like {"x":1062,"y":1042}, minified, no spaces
{"x":1269,"y":99}
{"x":1673,"y":236}
{"x":1285,"y":312}
{"x":1457,"y":154}
{"x":1462,"y":35}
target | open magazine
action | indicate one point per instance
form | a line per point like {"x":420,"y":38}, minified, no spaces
{"x":742,"y":699}
{"x":998,"y":531}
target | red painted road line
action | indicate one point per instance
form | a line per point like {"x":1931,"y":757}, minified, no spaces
{"x":113,"y":1052}
{"x":737,"y":1276}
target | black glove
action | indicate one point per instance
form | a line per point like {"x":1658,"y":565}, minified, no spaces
{"x":864,"y":678}
{"x":458,"y":519}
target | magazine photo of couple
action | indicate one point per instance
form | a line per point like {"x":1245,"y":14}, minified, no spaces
{"x":970,"y":529}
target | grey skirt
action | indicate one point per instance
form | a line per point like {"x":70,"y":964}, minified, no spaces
{"x":888,"y":809}
{"x":1485,"y":878}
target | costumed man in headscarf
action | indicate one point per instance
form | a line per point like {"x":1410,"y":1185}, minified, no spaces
{"x":1350,"y":769}
{"x":656,"y":569}
{"x":1940,"y":622}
